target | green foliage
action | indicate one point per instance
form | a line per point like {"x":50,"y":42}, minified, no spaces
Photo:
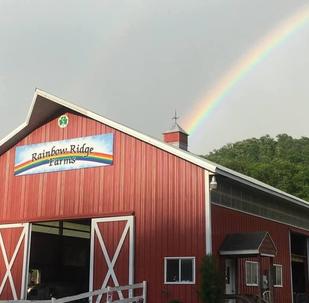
{"x":282,"y":162}
{"x":212,"y":281}
{"x":174,"y":301}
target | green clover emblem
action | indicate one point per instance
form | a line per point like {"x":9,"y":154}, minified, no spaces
{"x":63,"y":121}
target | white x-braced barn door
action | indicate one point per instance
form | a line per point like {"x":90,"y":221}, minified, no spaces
{"x":14,"y":245}
{"x":112,"y":253}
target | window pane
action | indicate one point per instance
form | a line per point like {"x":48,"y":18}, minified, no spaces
{"x":252,"y":275}
{"x":172,"y":270}
{"x":278,"y":280}
{"x":248,"y":280}
{"x":187,"y":270}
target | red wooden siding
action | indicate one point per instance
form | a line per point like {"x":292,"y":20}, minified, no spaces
{"x":226,"y":221}
{"x":176,"y":137}
{"x":165,"y":193}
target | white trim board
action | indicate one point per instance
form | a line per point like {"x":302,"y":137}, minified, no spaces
{"x":208,"y":226}
{"x":44,"y":105}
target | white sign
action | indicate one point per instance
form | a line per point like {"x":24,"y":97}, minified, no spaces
{"x":69,"y":154}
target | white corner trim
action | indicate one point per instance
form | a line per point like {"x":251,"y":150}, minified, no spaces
{"x":208,"y":229}
{"x":26,"y":261}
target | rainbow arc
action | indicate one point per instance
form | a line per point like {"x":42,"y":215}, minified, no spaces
{"x":255,"y":55}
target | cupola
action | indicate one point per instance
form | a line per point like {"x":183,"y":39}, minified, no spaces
{"x":176,"y":136}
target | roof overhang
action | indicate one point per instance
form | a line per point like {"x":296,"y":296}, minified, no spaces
{"x":250,"y":243}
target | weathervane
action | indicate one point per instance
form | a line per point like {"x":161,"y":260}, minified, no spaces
{"x":175,"y":117}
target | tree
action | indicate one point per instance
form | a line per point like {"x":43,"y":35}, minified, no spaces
{"x":282,"y":162}
{"x":212,"y":281}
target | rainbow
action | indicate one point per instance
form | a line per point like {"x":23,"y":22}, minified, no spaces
{"x":92,"y":157}
{"x":255,"y":55}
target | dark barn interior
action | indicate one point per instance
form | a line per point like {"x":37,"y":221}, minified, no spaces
{"x":299,"y":264}
{"x":59,"y":259}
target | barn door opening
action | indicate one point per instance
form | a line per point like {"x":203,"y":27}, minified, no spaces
{"x":59,"y":259}
{"x":112,"y":253}
{"x":299,"y":255}
{"x":14,"y":246}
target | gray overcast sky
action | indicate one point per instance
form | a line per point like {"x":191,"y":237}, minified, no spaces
{"x":136,"y":61}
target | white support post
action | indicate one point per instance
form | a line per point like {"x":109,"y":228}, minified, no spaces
{"x":131,"y":253}
{"x":91,"y":266}
{"x":208,"y":231}
{"x":25,"y":274}
{"x":145,"y":291}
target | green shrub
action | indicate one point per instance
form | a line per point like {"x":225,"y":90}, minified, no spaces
{"x":212,"y":285}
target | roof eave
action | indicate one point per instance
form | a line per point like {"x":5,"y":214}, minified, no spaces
{"x":259,"y":185}
{"x":153,"y":141}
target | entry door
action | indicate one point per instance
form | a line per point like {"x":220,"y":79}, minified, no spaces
{"x":14,"y":248}
{"x":230,"y":278}
{"x":112,"y":253}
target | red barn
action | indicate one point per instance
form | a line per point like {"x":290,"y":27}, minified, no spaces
{"x":87,"y":202}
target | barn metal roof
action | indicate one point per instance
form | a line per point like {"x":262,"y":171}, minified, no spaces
{"x":45,"y":105}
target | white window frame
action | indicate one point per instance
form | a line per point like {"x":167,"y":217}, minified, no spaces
{"x":179,"y":268}
{"x":281,"y":275}
{"x":257,"y":273}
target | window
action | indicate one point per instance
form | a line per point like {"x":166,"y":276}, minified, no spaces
{"x":179,"y":270}
{"x":252,"y":273}
{"x":277,"y":275}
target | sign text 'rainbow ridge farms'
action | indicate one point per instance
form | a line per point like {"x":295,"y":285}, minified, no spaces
{"x":69,"y":154}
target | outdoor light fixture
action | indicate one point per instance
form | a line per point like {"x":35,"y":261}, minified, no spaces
{"x":213,"y":183}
